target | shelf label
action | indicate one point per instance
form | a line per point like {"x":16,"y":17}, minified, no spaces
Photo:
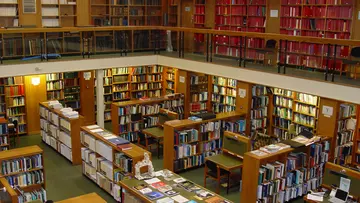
{"x":274,"y":13}
{"x":182,"y":79}
{"x":327,"y":111}
{"x":242,"y":93}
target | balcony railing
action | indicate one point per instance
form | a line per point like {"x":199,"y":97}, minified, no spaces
{"x":310,"y":57}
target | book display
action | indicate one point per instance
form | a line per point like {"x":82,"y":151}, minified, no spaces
{"x":188,"y":142}
{"x":130,"y":117}
{"x":285,"y":174}
{"x":345,"y":135}
{"x":295,"y":108}
{"x":23,"y":174}
{"x":60,"y":129}
{"x":4,"y":135}
{"x":126,"y":12}
{"x":239,"y":15}
{"x":15,"y":102}
{"x":199,"y":93}
{"x":329,"y":19}
{"x":107,"y":158}
{"x":259,"y":109}
{"x":223,"y":95}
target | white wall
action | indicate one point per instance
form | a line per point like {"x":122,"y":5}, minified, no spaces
{"x":323,"y":89}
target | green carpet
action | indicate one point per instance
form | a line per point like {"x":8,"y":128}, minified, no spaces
{"x":63,"y":180}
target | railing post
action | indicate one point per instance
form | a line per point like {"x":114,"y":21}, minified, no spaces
{"x":159,"y":41}
{"x":333,"y":71}
{"x":327,"y":62}
{"x":89,"y":41}
{"x":183,"y":44}
{"x":83,"y":47}
{"x":179,"y":42}
{"x":155,"y":41}
{"x":46,"y":49}
{"x":2,"y":53}
{"x":41,"y":49}
{"x":245,"y":46}
{"x":285,"y":60}
{"x":207,"y":47}
{"x":279,"y":56}
{"x":211,"y":47}
{"x":125,"y":43}
{"x":240,"y":52}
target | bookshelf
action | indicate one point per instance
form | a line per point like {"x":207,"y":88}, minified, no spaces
{"x":121,"y":84}
{"x":104,"y":162}
{"x":295,"y":169}
{"x":239,"y":15}
{"x":199,"y":22}
{"x":223,"y":96}
{"x":259,"y":109}
{"x":126,"y":12}
{"x":345,"y":134}
{"x":2,"y":98}
{"x":72,"y":90}
{"x":130,"y":117}
{"x":108,"y":93}
{"x":171,"y":75}
{"x":199,"y":93}
{"x":15,"y":102}
{"x":31,"y":160}
{"x":9,"y":13}
{"x":299,"y":109}
{"x":186,"y":143}
{"x":61,"y":132}
{"x":324,"y":19}
{"x":173,"y":13}
{"x":50,"y":13}
{"x":55,"y":86}
{"x":356,"y":152}
{"x":4,"y":135}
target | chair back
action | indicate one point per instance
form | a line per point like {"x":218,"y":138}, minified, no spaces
{"x":355,"y":52}
{"x":15,"y":122}
{"x":211,"y":165}
{"x":270,"y":44}
{"x":236,"y":143}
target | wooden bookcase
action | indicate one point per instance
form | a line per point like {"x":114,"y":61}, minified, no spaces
{"x":128,"y":117}
{"x":203,"y":136}
{"x":59,"y":13}
{"x":61,"y":132}
{"x":259,"y":109}
{"x":171,"y":80}
{"x":173,"y":13}
{"x":122,"y":162}
{"x":296,"y":108}
{"x":36,"y":154}
{"x":345,"y":136}
{"x":15,"y":102}
{"x":199,"y":87}
{"x":329,"y":19}
{"x":2,"y":98}
{"x":126,"y":12}
{"x":356,"y":148}
{"x":243,"y":16}
{"x":4,"y":135}
{"x":223,"y":96}
{"x":313,"y":162}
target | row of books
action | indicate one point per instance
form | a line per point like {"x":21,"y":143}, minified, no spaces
{"x":347,"y":110}
{"x":192,"y":161}
{"x":26,"y":179}
{"x":306,"y":109}
{"x":283,"y":101}
{"x":199,"y":97}
{"x":221,"y":99}
{"x":185,"y":136}
{"x":21,"y":164}
{"x":196,"y":107}
{"x":15,"y":90}
{"x":32,"y":196}
{"x":123,"y":162}
{"x":217,"y":108}
{"x":3,"y":129}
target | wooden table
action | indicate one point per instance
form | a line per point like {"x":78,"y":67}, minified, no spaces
{"x":226,"y":162}
{"x":128,"y":185}
{"x":157,"y":133}
{"x":91,"y":197}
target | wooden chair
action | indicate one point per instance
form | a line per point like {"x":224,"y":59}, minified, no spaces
{"x":353,"y":61}
{"x":211,"y":171}
{"x":13,"y":129}
{"x":270,"y":49}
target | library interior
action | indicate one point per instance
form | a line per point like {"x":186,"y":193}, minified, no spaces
{"x":179,"y":101}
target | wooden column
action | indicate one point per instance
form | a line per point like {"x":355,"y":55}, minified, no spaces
{"x":273,"y":23}
{"x":100,"y":98}
{"x":87,"y":101}
{"x":243,"y":102}
{"x":183,"y":86}
{"x":33,"y":95}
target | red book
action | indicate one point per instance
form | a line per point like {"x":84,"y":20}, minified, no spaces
{"x":124,"y":147}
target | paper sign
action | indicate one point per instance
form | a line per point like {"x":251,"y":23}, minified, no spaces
{"x":187,"y":9}
{"x":359,"y":15}
{"x":242,"y":93}
{"x":344,"y":184}
{"x":87,"y":75}
{"x":274,"y":13}
{"x":327,"y":111}
{"x":182,"y":79}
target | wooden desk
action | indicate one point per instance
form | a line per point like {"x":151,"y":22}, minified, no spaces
{"x":128,"y":185}
{"x":91,"y":197}
{"x":156,"y":133}
{"x":226,"y":162}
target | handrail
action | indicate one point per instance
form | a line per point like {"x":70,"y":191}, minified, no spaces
{"x":278,"y":37}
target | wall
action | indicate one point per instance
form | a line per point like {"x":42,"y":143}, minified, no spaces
{"x":34,"y":95}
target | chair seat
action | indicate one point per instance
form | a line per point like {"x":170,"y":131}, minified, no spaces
{"x":350,"y":62}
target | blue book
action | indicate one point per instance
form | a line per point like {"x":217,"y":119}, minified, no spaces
{"x":118,"y":141}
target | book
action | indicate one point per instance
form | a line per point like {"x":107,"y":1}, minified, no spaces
{"x":158,"y":185}
{"x":124,"y":147}
{"x":154,"y":195}
{"x":203,"y":194}
{"x":171,"y":193}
